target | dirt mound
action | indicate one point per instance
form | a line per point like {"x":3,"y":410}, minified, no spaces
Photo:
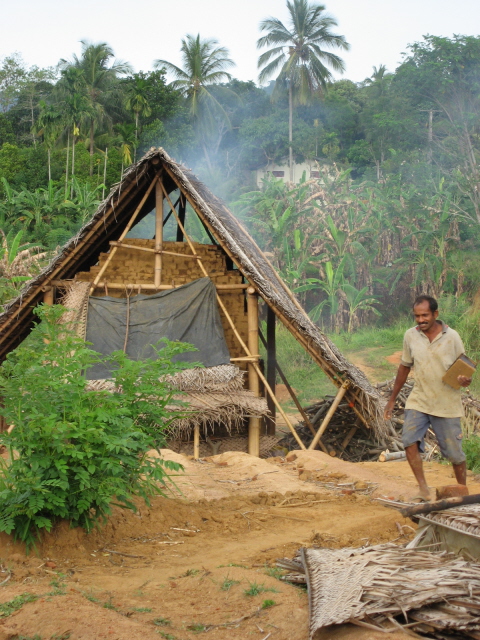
{"x":186,"y":562}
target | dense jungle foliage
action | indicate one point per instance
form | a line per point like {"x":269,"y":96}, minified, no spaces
{"x":393,"y":211}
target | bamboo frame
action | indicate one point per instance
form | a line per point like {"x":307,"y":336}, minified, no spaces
{"x":196,"y":442}
{"x":338,"y":398}
{"x":48,"y":296}
{"x":253,"y":379}
{"x":234,"y":329}
{"x":135,"y":247}
{"x":124,"y":233}
{"x":157,"y":279}
{"x":147,"y":286}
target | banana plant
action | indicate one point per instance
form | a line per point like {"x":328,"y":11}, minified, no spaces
{"x":358,"y":300}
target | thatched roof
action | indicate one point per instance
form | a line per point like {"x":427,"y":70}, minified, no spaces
{"x":82,"y":251}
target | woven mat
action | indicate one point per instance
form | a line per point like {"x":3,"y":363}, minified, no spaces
{"x":384,"y":581}
{"x":464,"y":519}
{"x":75,"y":300}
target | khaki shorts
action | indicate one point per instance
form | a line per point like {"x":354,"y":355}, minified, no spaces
{"x":448,"y":432}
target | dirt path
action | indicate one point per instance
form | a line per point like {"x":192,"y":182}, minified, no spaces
{"x":204,"y":561}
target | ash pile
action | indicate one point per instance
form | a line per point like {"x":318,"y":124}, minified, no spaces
{"x":347,"y":437}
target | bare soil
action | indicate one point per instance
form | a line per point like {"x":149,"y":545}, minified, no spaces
{"x":202,"y":560}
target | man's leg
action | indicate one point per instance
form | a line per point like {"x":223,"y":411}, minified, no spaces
{"x":416,"y":465}
{"x":460,"y":471}
{"x":449,"y":436}
{"x":415,"y":427}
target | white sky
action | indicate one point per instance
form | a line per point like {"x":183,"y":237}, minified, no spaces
{"x":44,"y":31}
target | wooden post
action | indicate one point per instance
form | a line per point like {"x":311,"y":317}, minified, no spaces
{"x":158,"y":234}
{"x":196,"y":442}
{"x":48,"y":296}
{"x":338,"y":398}
{"x":271,"y":368}
{"x":253,"y":379}
{"x":181,"y":215}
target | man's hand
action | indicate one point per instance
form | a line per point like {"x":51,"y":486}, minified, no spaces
{"x":463,"y":381}
{"x":387,"y":414}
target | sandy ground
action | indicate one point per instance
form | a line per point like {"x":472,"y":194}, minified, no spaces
{"x":203,"y":560}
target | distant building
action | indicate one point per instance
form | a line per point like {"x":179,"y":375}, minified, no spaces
{"x":310,"y":167}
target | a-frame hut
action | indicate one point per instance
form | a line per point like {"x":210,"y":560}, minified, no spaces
{"x":141,"y":241}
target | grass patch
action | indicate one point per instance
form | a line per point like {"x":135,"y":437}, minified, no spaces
{"x":266,"y":604}
{"x":232,"y":564}
{"x":274,"y":572}
{"x":197,"y":627}
{"x":228,"y":583}
{"x":167,"y":636}
{"x":162,"y":622}
{"x":255,"y":589}
{"x":142,"y":609}
{"x":7,"y":608}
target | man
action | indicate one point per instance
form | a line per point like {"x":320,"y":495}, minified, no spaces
{"x":431,"y":348}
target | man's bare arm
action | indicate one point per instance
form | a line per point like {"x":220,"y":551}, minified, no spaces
{"x":402,"y":375}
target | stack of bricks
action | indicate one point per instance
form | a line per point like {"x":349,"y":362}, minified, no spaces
{"x":130,"y":267}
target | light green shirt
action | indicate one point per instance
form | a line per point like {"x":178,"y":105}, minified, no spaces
{"x":430,"y":360}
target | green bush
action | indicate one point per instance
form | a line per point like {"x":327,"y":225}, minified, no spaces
{"x":74,"y":453}
{"x":471,"y":447}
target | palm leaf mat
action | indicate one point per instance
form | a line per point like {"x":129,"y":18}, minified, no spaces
{"x":387,"y":586}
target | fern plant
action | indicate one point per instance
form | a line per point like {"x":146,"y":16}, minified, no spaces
{"x":75,"y":453}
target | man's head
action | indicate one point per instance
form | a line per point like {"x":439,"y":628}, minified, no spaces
{"x":425,"y":310}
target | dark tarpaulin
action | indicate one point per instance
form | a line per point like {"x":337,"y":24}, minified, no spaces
{"x":189,"y":314}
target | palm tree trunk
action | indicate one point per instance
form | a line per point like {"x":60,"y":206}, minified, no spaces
{"x":136,"y":137}
{"x":91,"y":147}
{"x":49,"y":165}
{"x":290,"y":129}
{"x":66,"y":168}
{"x":73,"y":166}
{"x":105,"y":172}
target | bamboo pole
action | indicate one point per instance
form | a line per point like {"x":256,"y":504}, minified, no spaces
{"x":48,"y":296}
{"x":158,"y":234}
{"x":292,"y":394}
{"x":135,"y":247}
{"x":253,"y":379}
{"x":234,"y":329}
{"x":196,"y":442}
{"x":338,"y":398}
{"x":148,"y":286}
{"x":124,"y":233}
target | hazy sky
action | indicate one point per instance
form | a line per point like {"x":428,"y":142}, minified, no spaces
{"x":378,"y":30}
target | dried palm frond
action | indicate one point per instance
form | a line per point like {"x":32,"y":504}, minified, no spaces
{"x":375,"y":585}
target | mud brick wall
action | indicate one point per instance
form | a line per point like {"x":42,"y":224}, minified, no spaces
{"x":130,"y":266}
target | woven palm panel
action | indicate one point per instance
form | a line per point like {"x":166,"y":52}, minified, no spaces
{"x":381,"y":582}
{"x":465,"y":519}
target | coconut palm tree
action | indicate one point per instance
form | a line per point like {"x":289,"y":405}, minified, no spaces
{"x":137,"y":101}
{"x":204,"y":66}
{"x":298,"y":53}
{"x":126,"y":143}
{"x":101,"y":76}
{"x":48,"y":125}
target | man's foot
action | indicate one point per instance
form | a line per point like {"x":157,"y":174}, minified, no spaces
{"x":419,"y":498}
{"x":423,"y":495}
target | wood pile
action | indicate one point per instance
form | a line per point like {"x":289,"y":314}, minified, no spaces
{"x":385,"y":587}
{"x":346,"y":436}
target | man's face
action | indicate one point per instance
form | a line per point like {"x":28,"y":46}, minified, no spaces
{"x":424,"y":318}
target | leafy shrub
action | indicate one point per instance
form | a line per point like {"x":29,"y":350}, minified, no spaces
{"x":74,"y":453}
{"x":471,"y":447}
